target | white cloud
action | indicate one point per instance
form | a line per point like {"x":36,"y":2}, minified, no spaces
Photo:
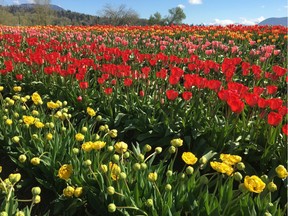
{"x":16,"y":2}
{"x":181,"y":6}
{"x":245,"y":21}
{"x":286,"y":6}
{"x":195,"y":1}
{"x":30,"y":1}
{"x":222,"y":22}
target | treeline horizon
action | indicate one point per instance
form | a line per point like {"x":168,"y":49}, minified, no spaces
{"x":45,"y":14}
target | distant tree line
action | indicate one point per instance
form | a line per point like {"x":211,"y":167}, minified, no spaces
{"x":42,"y":13}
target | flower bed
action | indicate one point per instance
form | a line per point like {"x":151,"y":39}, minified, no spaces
{"x":174,"y":120}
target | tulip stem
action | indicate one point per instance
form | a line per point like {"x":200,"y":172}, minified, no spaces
{"x":132,"y":207}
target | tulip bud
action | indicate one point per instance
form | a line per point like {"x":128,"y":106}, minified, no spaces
{"x":115,"y":158}
{"x":172,"y":149}
{"x":110,"y":148}
{"x":15,"y":139}
{"x":143,"y":166}
{"x":36,"y":199}
{"x":78,"y":191}
{"x":22,"y":158}
{"x":141,"y":157}
{"x":14,"y":178}
{"x":20,"y":213}
{"x":237,"y":176}
{"x":75,"y":151}
{"x":168,"y":187}
{"x":149,"y":202}
{"x":147,"y":148}
{"x":122,"y":175}
{"x":152,"y":177}
{"x":126,"y":155}
{"x":35,"y":161}
{"x":87,"y":163}
{"x":104,"y":168}
{"x":136,"y":166}
{"x":189,"y":170}
{"x":158,"y":150}
{"x":169,"y":173}
{"x":240,"y":166}
{"x":36,"y":191}
{"x":84,"y":129}
{"x":111,"y":207}
{"x":203,"y":160}
{"x":98,"y":118}
{"x":110,"y":190}
{"x":113,"y":133}
{"x":272,"y":187}
{"x":49,"y":136}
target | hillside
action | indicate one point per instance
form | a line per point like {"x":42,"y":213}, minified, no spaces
{"x":275,"y":21}
{"x":34,"y":14}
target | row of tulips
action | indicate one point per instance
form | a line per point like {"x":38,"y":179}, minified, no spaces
{"x":209,"y":101}
{"x":86,"y":170}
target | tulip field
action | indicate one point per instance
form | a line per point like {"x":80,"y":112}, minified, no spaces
{"x":151,"y":120}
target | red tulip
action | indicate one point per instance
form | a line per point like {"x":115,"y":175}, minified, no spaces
{"x":108,"y":91}
{"x":128,"y":82}
{"x":186,"y":95}
{"x":171,"y":94}
{"x":271,"y":89}
{"x":285,"y":129}
{"x":236,"y":105}
{"x":274,"y":118}
{"x":19,"y":77}
{"x":83,"y":85}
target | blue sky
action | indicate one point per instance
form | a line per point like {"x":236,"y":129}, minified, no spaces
{"x":197,"y":11}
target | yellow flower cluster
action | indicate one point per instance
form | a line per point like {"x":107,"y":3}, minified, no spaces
{"x":65,"y":171}
{"x":121,"y":147}
{"x":30,"y":120}
{"x":189,"y":158}
{"x":114,"y":170}
{"x":53,"y":105}
{"x":225,"y":166}
{"x":230,"y":159}
{"x":91,"y":112}
{"x":36,"y":98}
{"x":70,"y":191}
{"x":254,"y":184}
{"x":281,"y":172}
{"x":176,"y":142}
{"x":221,"y":167}
{"x":89,"y":146}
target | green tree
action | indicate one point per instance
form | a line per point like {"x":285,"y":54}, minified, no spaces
{"x":119,"y":15}
{"x":176,"y":16}
{"x":156,"y":19}
{"x":43,"y":11}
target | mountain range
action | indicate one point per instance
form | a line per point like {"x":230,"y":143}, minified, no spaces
{"x":275,"y":21}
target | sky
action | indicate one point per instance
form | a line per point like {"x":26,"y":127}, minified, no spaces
{"x":207,"y":12}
